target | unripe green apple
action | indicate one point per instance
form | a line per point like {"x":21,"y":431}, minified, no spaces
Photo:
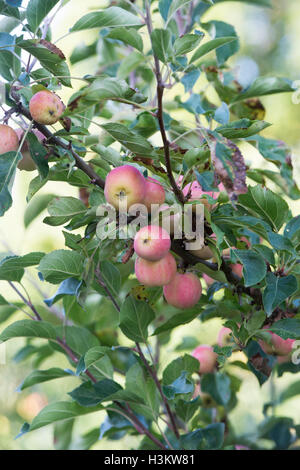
{"x":278,"y":345}
{"x":9,"y":141}
{"x":155,"y":193}
{"x":155,"y":273}
{"x":27,"y":163}
{"x":184,"y":291}
{"x":124,"y":186}
{"x":46,"y":107}
{"x":207,"y":358}
{"x":152,"y":243}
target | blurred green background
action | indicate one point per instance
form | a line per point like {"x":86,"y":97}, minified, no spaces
{"x":270,"y":45}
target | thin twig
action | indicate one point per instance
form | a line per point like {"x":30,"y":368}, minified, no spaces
{"x":153,"y":374}
{"x":160,"y":116}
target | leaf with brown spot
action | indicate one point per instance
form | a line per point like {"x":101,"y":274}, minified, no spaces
{"x":229,"y":166}
{"x":52,"y":48}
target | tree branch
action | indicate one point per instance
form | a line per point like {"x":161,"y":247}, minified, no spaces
{"x":160,"y":117}
{"x":153,"y":374}
{"x":80,"y":163}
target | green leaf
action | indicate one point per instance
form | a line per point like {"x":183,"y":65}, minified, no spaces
{"x":186,"y":43}
{"x":79,"y":339}
{"x":62,"y":435}
{"x":49,"y":60}
{"x":28,"y":329}
{"x":218,"y":386}
{"x":92,"y":394}
{"x":173,"y":370}
{"x":62,"y":209}
{"x":254,"y":266}
{"x":207,"y":438}
{"x":290,"y":392}
{"x":69,"y":286}
{"x":180,"y":318}
{"x":130,"y":64}
{"x":111,"y":277}
{"x":135,"y":316}
{"x":180,"y":386}
{"x":60,"y":411}
{"x":38,"y":154}
{"x":242,"y":128}
{"x":162,"y":44}
{"x":265,"y":86}
{"x":12,"y":267}
{"x":37,"y":10}
{"x":219,"y":29}
{"x":186,"y":409}
{"x":97,"y":359}
{"x":111,"y":17}
{"x":263,"y":202}
{"x":61,"y":264}
{"x":40,"y":376}
{"x":287,"y":328}
{"x":127,"y":36}
{"x":131,"y":140}
{"x":277,"y":290}
{"x":176,"y":5}
{"x":210,"y":46}
{"x":7,"y":10}
{"x":36,"y":207}
{"x":8,"y":165}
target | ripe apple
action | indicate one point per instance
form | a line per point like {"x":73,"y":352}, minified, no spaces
{"x":237,"y":269}
{"x":125,"y":186}
{"x":183,"y":291}
{"x":278,"y":346}
{"x":9,"y":141}
{"x":224,"y":336}
{"x":46,"y":107}
{"x":197,"y":192}
{"x":155,"y":273}
{"x":27,"y":162}
{"x":155,"y":193}
{"x":207,"y":358}
{"x":152,"y":243}
{"x":209,"y":280}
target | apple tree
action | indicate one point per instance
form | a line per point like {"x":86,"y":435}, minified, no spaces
{"x":172,"y":121}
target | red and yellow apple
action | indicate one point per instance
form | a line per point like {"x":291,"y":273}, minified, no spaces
{"x":184,"y":291}
{"x":207,"y":358}
{"x":152,"y":243}
{"x":46,"y":107}
{"x":154,"y":194}
{"x":155,"y":273}
{"x":9,"y":141}
{"x":124,"y":186}
{"x":224,"y":336}
{"x":278,"y":346}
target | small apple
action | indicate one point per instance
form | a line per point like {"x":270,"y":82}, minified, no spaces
{"x":207,"y":358}
{"x":224,"y":336}
{"x":155,"y":273}
{"x":155,"y":193}
{"x":9,"y":141}
{"x":237,"y":269}
{"x":27,"y":162}
{"x":204,"y":253}
{"x":196,"y":193}
{"x":46,"y":107}
{"x":152,"y":243}
{"x":124,"y":186}
{"x":278,"y":345}
{"x":184,"y":291}
{"x":209,"y":280}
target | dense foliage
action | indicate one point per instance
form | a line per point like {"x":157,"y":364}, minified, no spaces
{"x":112,"y":327}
